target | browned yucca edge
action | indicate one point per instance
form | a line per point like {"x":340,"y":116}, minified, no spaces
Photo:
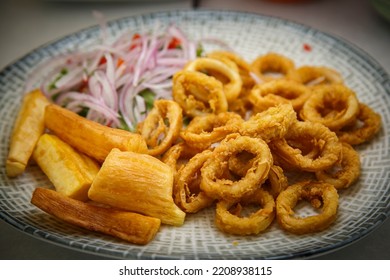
{"x":132,"y":227}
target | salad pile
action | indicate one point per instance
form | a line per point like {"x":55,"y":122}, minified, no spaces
{"x":116,"y":83}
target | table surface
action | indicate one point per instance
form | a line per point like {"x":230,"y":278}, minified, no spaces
{"x":27,"y":24}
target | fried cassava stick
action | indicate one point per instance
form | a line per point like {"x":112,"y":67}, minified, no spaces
{"x":89,"y":137}
{"x":28,"y":127}
{"x":139,"y":183}
{"x":132,"y":227}
{"x":70,"y":172}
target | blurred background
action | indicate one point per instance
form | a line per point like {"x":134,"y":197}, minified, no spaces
{"x":28,"y":24}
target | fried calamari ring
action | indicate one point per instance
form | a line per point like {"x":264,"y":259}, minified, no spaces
{"x":276,"y":182}
{"x":344,"y":173}
{"x":172,"y":156}
{"x":325,"y":143}
{"x":242,"y":66}
{"x":241,"y":104}
{"x":270,"y":124}
{"x":366,"y":127}
{"x":312,"y":76}
{"x":217,"y":186}
{"x":203,"y":131}
{"x":177,"y":155}
{"x":232,"y":82}
{"x":310,"y":191}
{"x":335,"y":106}
{"x":224,"y":79}
{"x":256,"y":222}
{"x":272,"y":66}
{"x":198,"y":93}
{"x":187,"y":194}
{"x":269,"y":94}
{"x":239,"y":163}
{"x":162,"y":126}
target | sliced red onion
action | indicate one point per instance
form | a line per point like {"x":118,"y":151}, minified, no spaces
{"x":158,"y":85}
{"x":109,"y":78}
{"x":171,"y":61}
{"x":126,"y":78}
{"x":163,"y":93}
{"x":109,"y":93}
{"x":78,"y":101}
{"x":139,"y":109}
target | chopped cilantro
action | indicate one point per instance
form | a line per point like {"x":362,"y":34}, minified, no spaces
{"x":62,"y":73}
{"x":123,"y":124}
{"x":148,"y":96}
{"x":84,"y":111}
{"x":199,"y":51}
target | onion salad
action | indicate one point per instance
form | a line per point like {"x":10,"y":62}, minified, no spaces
{"x":116,"y":83}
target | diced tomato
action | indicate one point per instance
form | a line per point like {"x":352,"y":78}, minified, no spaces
{"x":103,"y":60}
{"x":174,"y":43}
{"x":135,"y":37}
{"x":84,"y":85}
{"x":109,"y":124}
{"x":120,"y":62}
{"x":307,"y":47}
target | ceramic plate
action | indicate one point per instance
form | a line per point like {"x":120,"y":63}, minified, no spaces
{"x":362,"y":207}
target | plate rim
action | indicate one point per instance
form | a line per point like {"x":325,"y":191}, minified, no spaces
{"x":368,"y":58}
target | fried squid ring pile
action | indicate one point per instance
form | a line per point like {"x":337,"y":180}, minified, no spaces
{"x":229,"y":76}
{"x":313,"y":76}
{"x":198,"y":93}
{"x":272,"y":66}
{"x":266,"y":95}
{"x":177,"y":154}
{"x":256,"y":138}
{"x":242,"y":66}
{"x":270,"y":124}
{"x":217,"y":185}
{"x":187,"y":193}
{"x":335,"y":106}
{"x":319,"y":194}
{"x":229,"y":219}
{"x":324,"y":147}
{"x":205,"y":130}
{"x":345,"y":172}
{"x":366,"y":126}
{"x":162,"y":126}
{"x":277,"y":181}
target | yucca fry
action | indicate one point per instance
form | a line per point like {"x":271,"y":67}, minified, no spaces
{"x":139,"y":183}
{"x":29,"y":126}
{"x":132,"y":227}
{"x":89,"y":137}
{"x":70,"y":171}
